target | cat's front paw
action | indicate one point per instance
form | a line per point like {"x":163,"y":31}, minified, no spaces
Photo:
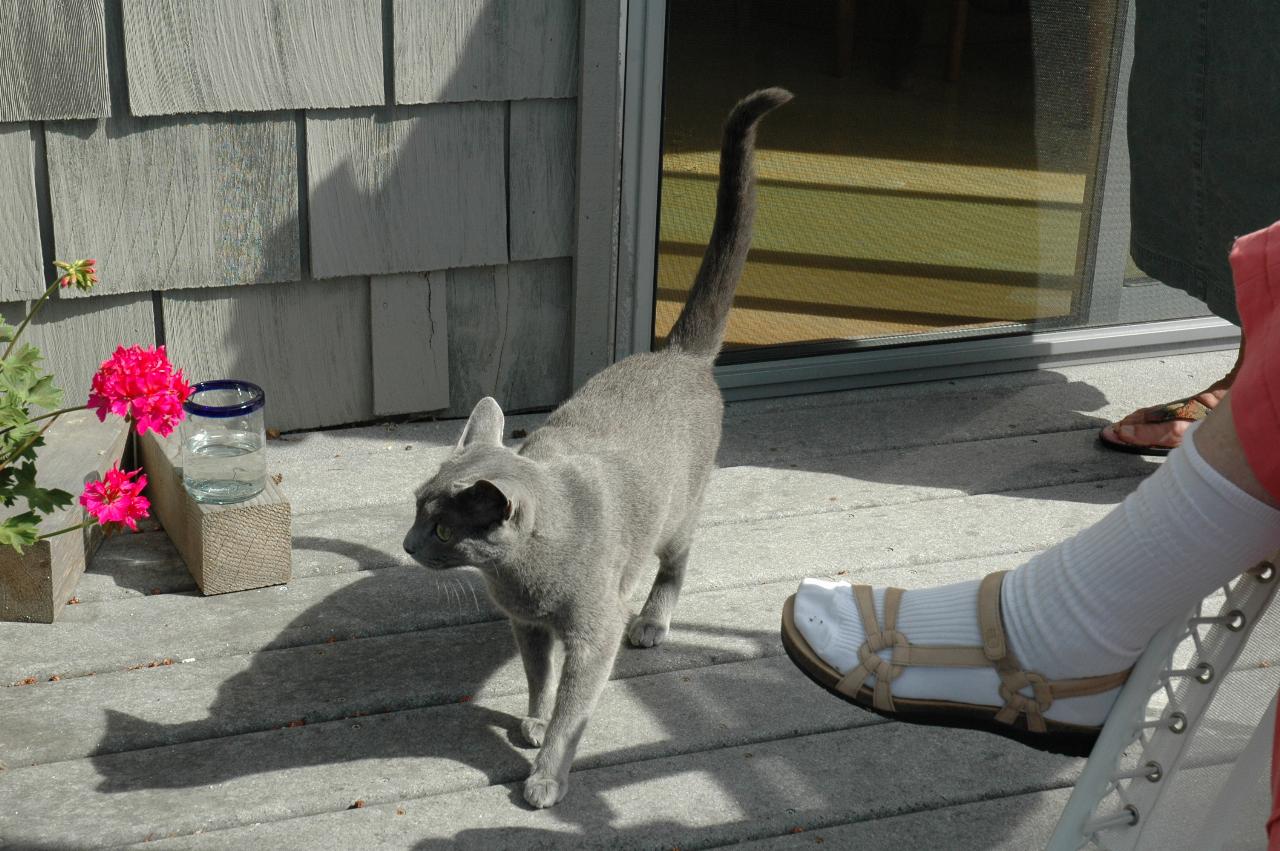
{"x":646,"y":633}
{"x":542,"y":791}
{"x":533,"y":731}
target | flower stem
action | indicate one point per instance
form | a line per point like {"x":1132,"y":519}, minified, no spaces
{"x":34,"y":310}
{"x":50,"y":415}
{"x":85,"y":525}
{"x":24,"y":447}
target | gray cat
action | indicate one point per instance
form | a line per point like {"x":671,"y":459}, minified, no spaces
{"x":562,"y":530}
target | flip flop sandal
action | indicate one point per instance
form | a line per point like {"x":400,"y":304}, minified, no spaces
{"x":1027,"y":695}
{"x":1190,"y":409}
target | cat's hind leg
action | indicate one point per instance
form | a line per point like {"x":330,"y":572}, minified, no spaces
{"x":537,"y":651}
{"x":650,"y":627}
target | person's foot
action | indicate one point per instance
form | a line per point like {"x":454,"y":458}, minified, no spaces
{"x":1038,"y":654}
{"x":909,"y":629}
{"x":1159,"y":429}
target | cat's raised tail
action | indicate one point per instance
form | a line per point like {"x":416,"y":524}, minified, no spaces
{"x":699,"y":330}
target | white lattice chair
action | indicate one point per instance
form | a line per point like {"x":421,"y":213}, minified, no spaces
{"x":1184,"y":759}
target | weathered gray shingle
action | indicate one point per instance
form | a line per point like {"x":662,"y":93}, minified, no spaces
{"x":252,"y":55}
{"x":19,"y":228}
{"x":407,"y":189}
{"x":306,"y":344}
{"x":544,"y":149}
{"x":53,"y":60}
{"x":462,"y":50}
{"x":77,"y":336}
{"x":172,"y":203}
{"x":410,"y":334}
{"x":509,"y":335}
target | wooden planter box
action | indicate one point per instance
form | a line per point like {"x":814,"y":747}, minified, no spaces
{"x":36,"y":585}
{"x":226,"y":547}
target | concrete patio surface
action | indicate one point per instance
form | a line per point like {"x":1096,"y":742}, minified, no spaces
{"x":370,"y":704}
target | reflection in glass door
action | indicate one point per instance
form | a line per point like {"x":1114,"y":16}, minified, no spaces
{"x":933,"y":176}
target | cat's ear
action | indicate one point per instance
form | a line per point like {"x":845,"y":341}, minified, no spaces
{"x":485,"y":503}
{"x":485,"y":425}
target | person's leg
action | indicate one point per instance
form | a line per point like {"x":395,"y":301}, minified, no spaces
{"x":1089,"y":605}
{"x":1219,"y":445}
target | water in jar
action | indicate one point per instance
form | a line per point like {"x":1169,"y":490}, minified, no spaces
{"x":224,"y":466}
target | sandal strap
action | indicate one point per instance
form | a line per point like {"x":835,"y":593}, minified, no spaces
{"x":994,"y":652}
{"x":870,"y":662}
{"x":1013,"y":679}
{"x":1191,"y":409}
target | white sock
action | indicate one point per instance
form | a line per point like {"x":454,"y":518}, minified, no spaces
{"x":1090,"y":605}
{"x":1085,"y":607}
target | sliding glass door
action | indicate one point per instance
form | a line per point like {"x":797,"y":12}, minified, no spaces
{"x":936,"y":177}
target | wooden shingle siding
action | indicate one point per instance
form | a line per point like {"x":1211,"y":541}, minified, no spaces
{"x":406,"y":189}
{"x":196,"y":202}
{"x":252,"y":55}
{"x":306,"y":344}
{"x":543,"y":190}
{"x":20,"y":274}
{"x":53,"y":60}
{"x":76,"y":336}
{"x":410,"y":333}
{"x":509,"y":335}
{"x":464,"y":50}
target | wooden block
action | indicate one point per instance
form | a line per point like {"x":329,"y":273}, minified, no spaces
{"x":509,"y":334}
{"x":36,"y":585}
{"x":407,"y":189}
{"x":20,"y":262}
{"x":53,"y":60}
{"x":305,"y":343}
{"x":226,"y":547}
{"x":409,"y":331}
{"x":196,"y":202}
{"x":252,"y":55}
{"x":467,"y":50}
{"x":544,"y":148}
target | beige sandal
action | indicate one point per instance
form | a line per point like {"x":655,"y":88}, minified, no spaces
{"x":1020,"y":718}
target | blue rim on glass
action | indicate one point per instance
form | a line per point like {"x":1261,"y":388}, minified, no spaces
{"x":257,"y":398}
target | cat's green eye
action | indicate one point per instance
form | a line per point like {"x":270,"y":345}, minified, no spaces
{"x":443,"y":533}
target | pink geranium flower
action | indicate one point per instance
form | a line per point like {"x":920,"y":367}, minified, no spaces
{"x":140,"y":384}
{"x":117,"y":499}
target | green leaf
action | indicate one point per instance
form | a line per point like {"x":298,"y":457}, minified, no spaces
{"x":43,"y":500}
{"x":26,"y":357}
{"x":43,"y":394}
{"x":9,"y":445}
{"x":11,"y":414}
{"x":20,"y":531}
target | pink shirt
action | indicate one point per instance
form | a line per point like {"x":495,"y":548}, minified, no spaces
{"x":1255,"y":397}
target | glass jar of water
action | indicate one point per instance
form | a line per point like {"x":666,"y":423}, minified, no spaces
{"x":224,"y":440}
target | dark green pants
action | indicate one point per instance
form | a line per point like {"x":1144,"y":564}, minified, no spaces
{"x":1204,"y":138}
